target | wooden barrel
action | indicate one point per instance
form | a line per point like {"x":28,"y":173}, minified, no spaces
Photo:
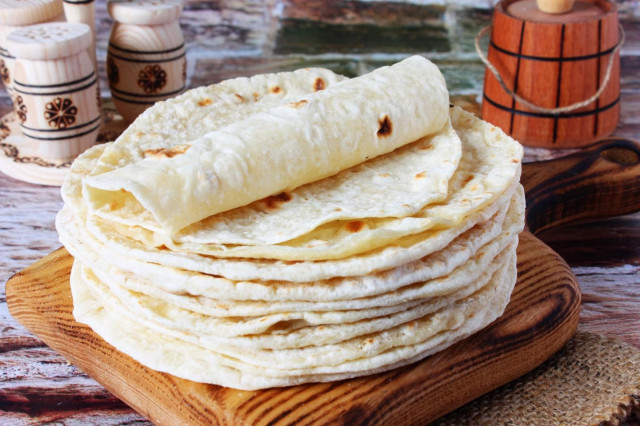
{"x":553,"y":61}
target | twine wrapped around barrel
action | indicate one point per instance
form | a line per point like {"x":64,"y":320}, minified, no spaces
{"x":553,"y":80}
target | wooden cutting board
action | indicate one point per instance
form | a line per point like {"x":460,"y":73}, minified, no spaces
{"x":601,"y":181}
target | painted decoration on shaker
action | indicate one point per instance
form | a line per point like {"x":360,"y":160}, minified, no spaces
{"x":60,"y":113}
{"x":113,"y":73}
{"x":152,"y":78}
{"x":4,"y":72}
{"x":21,"y":109}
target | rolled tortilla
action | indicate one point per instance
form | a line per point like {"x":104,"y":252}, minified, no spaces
{"x":280,"y":149}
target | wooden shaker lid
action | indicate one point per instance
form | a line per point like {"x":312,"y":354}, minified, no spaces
{"x":582,"y":11}
{"x":26,"y":12}
{"x":140,"y":12}
{"x":49,"y":41}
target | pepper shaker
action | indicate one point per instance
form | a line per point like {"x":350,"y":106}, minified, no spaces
{"x":146,"y":59}
{"x":15,"y":14}
{"x":57,"y":100}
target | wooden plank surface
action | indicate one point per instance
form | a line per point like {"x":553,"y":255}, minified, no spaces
{"x":542,"y":315}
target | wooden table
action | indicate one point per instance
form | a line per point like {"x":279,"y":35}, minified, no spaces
{"x":37,"y":385}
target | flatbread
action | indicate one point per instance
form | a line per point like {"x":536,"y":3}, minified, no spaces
{"x":203,"y":251}
{"x":489,"y":165}
{"x":289,"y":328}
{"x":293,"y":144}
{"x":486,"y":237}
{"x":478,"y":136}
{"x":195,"y":362}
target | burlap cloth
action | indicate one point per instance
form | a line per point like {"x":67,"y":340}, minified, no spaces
{"x":592,"y":380}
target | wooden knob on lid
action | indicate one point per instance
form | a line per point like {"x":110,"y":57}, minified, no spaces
{"x":555,"y":6}
{"x":49,"y":41}
{"x":156,"y":12}
{"x":26,"y":12}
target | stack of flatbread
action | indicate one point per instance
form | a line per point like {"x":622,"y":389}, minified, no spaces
{"x":295,"y":227}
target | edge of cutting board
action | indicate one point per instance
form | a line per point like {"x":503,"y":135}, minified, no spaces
{"x":540,"y":318}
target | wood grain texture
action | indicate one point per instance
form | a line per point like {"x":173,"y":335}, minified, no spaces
{"x":541,"y":317}
{"x":600,"y":181}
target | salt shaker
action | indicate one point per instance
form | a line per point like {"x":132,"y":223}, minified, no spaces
{"x":15,"y":14}
{"x":56,"y":100}
{"x":146,"y":59}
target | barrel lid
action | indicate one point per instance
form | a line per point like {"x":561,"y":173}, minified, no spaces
{"x":527,"y":10}
{"x":49,"y":41}
{"x":140,"y":12}
{"x":26,"y":12}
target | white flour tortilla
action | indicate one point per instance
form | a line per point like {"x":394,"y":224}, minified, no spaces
{"x":293,"y":144}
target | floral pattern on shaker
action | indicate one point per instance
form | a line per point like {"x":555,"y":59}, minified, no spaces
{"x":113,"y":73}
{"x":21,"y":109}
{"x":60,"y":113}
{"x":4,"y":72}
{"x":152,"y":78}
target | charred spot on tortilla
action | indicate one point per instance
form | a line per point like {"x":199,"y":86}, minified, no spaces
{"x":421,"y":175}
{"x":386,"y":127}
{"x":205,"y":102}
{"x":274,"y":201}
{"x":274,"y":89}
{"x":298,"y":104}
{"x":468,"y":179}
{"x":240,"y":97}
{"x":318,"y":84}
{"x":166,"y":152}
{"x":355,"y":226}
